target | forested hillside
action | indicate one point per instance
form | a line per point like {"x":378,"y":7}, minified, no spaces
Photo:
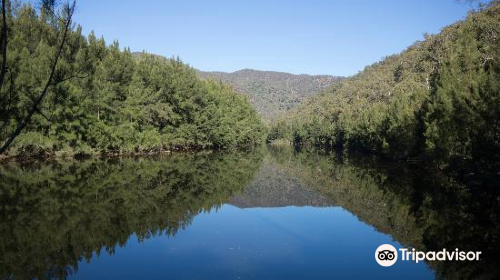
{"x":103,"y":100}
{"x":273,"y":93}
{"x":440,"y":98}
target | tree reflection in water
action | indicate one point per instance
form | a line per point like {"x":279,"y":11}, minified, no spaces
{"x":418,"y":206}
{"x":55,"y":214}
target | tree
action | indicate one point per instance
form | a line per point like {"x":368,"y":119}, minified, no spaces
{"x":68,"y":11}
{"x":3,"y":42}
{"x":438,"y":100}
{"x":104,"y":99}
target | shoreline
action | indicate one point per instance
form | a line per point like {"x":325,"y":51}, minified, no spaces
{"x":23,"y":158}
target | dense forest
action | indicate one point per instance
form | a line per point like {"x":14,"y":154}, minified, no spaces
{"x":439,"y":99}
{"x":273,"y":93}
{"x":99,"y":98}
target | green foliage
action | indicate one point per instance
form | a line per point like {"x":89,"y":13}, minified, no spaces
{"x":463,"y":113}
{"x":104,"y":99}
{"x":440,"y":98}
{"x":279,"y":130}
{"x":33,"y":144}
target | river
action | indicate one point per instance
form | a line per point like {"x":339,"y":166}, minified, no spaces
{"x":274,"y":213}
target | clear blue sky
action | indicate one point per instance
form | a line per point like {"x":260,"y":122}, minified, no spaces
{"x":337,"y":37}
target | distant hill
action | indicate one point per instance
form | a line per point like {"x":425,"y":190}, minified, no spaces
{"x":273,"y":93}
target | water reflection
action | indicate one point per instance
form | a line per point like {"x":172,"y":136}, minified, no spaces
{"x":418,"y":206}
{"x":53,"y":215}
{"x":265,"y":214}
{"x":274,"y":186}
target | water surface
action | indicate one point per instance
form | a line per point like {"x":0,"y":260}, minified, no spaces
{"x":271,"y":214}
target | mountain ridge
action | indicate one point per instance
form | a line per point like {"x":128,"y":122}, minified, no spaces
{"x":273,"y":93}
{"x":267,"y":71}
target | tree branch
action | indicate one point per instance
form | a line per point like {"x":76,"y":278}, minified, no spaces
{"x":39,"y":111}
{"x":71,"y":77}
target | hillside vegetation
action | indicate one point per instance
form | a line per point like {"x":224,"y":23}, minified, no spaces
{"x":103,"y":100}
{"x":273,"y":93}
{"x":440,"y":98}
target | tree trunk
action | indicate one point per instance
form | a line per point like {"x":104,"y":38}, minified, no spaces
{"x":3,"y":43}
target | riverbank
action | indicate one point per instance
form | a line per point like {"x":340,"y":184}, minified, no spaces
{"x":67,"y":156}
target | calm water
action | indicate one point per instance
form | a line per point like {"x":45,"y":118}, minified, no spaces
{"x":271,"y":214}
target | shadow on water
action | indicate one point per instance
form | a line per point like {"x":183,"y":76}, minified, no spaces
{"x":56,"y":214}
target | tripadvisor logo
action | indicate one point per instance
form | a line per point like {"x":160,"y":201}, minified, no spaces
{"x":387,"y":255}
